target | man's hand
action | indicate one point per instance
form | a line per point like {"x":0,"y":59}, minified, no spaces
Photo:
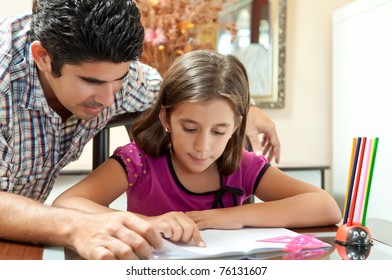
{"x":259,"y":123}
{"x":115,"y":235}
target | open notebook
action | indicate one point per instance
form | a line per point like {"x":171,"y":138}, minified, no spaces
{"x":235,"y":244}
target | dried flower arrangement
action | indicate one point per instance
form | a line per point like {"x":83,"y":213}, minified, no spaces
{"x":174,"y":27}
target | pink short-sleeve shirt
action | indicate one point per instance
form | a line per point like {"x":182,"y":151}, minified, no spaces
{"x":155,"y":189}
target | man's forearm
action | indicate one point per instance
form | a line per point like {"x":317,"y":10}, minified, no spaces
{"x":22,"y":219}
{"x":92,"y":235}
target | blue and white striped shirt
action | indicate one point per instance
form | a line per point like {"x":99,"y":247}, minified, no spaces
{"x":35,"y":144}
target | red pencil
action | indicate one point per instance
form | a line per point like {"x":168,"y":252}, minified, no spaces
{"x":358,"y":176}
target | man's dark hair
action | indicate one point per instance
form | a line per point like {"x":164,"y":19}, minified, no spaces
{"x":77,"y":31}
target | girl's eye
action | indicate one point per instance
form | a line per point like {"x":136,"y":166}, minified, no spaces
{"x":215,"y":132}
{"x":189,"y":129}
{"x":218,"y":133}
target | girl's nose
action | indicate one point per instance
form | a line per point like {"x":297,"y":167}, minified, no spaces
{"x":201,"y":143}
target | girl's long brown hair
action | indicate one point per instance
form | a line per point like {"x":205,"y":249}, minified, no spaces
{"x":198,"y":76}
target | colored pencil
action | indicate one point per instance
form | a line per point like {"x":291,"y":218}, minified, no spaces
{"x":370,"y":177}
{"x":354,"y":169}
{"x":362,"y":184}
{"x":357,"y":178}
{"x":354,"y":144}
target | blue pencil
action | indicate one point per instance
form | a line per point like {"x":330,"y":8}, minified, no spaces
{"x":353,"y":145}
{"x":348,"y":198}
{"x":357,"y":179}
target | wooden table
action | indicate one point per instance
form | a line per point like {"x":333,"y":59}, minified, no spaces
{"x":20,"y":251}
{"x":381,"y":231}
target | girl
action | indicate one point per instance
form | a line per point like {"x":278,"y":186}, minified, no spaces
{"x":187,"y":168}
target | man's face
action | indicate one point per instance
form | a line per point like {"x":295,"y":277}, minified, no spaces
{"x":84,"y":89}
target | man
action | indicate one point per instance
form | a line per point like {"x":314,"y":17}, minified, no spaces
{"x":64,"y":72}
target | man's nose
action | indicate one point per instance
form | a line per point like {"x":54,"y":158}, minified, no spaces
{"x":106,"y":95}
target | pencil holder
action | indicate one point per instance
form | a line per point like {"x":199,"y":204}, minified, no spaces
{"x":353,"y":242}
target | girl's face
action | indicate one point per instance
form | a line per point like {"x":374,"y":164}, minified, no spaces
{"x":199,"y":133}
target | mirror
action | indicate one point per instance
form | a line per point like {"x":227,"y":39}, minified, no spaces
{"x":260,"y":45}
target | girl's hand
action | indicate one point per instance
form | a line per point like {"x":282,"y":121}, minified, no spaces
{"x":177,"y":226}
{"x":225,"y":218}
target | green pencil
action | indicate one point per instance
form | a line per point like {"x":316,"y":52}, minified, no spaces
{"x":369,"y":182}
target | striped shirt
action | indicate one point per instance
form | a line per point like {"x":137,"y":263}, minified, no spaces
{"x":35,"y":144}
